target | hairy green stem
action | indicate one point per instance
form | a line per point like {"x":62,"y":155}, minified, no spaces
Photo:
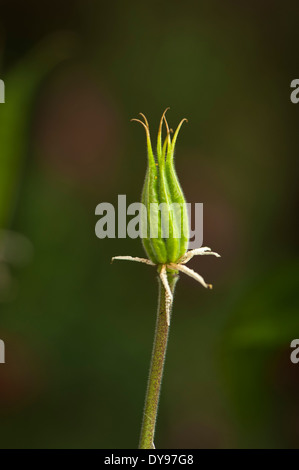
{"x":156,"y":368}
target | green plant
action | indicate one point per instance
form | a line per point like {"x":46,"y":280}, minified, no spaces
{"x":169,"y":253}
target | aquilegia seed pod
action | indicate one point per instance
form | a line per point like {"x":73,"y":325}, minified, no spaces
{"x":164,"y":215}
{"x":165,"y":227}
{"x":165,"y":234}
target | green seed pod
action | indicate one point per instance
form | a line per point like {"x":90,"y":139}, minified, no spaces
{"x":165,"y":227}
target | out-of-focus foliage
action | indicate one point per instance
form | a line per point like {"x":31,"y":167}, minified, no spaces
{"x":21,"y":87}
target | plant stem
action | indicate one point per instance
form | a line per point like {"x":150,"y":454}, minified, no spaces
{"x":156,"y":368}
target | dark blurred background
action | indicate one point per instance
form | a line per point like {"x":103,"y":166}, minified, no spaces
{"x":78,"y":331}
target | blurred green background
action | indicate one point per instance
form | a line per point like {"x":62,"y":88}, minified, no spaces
{"x":78,"y":331}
